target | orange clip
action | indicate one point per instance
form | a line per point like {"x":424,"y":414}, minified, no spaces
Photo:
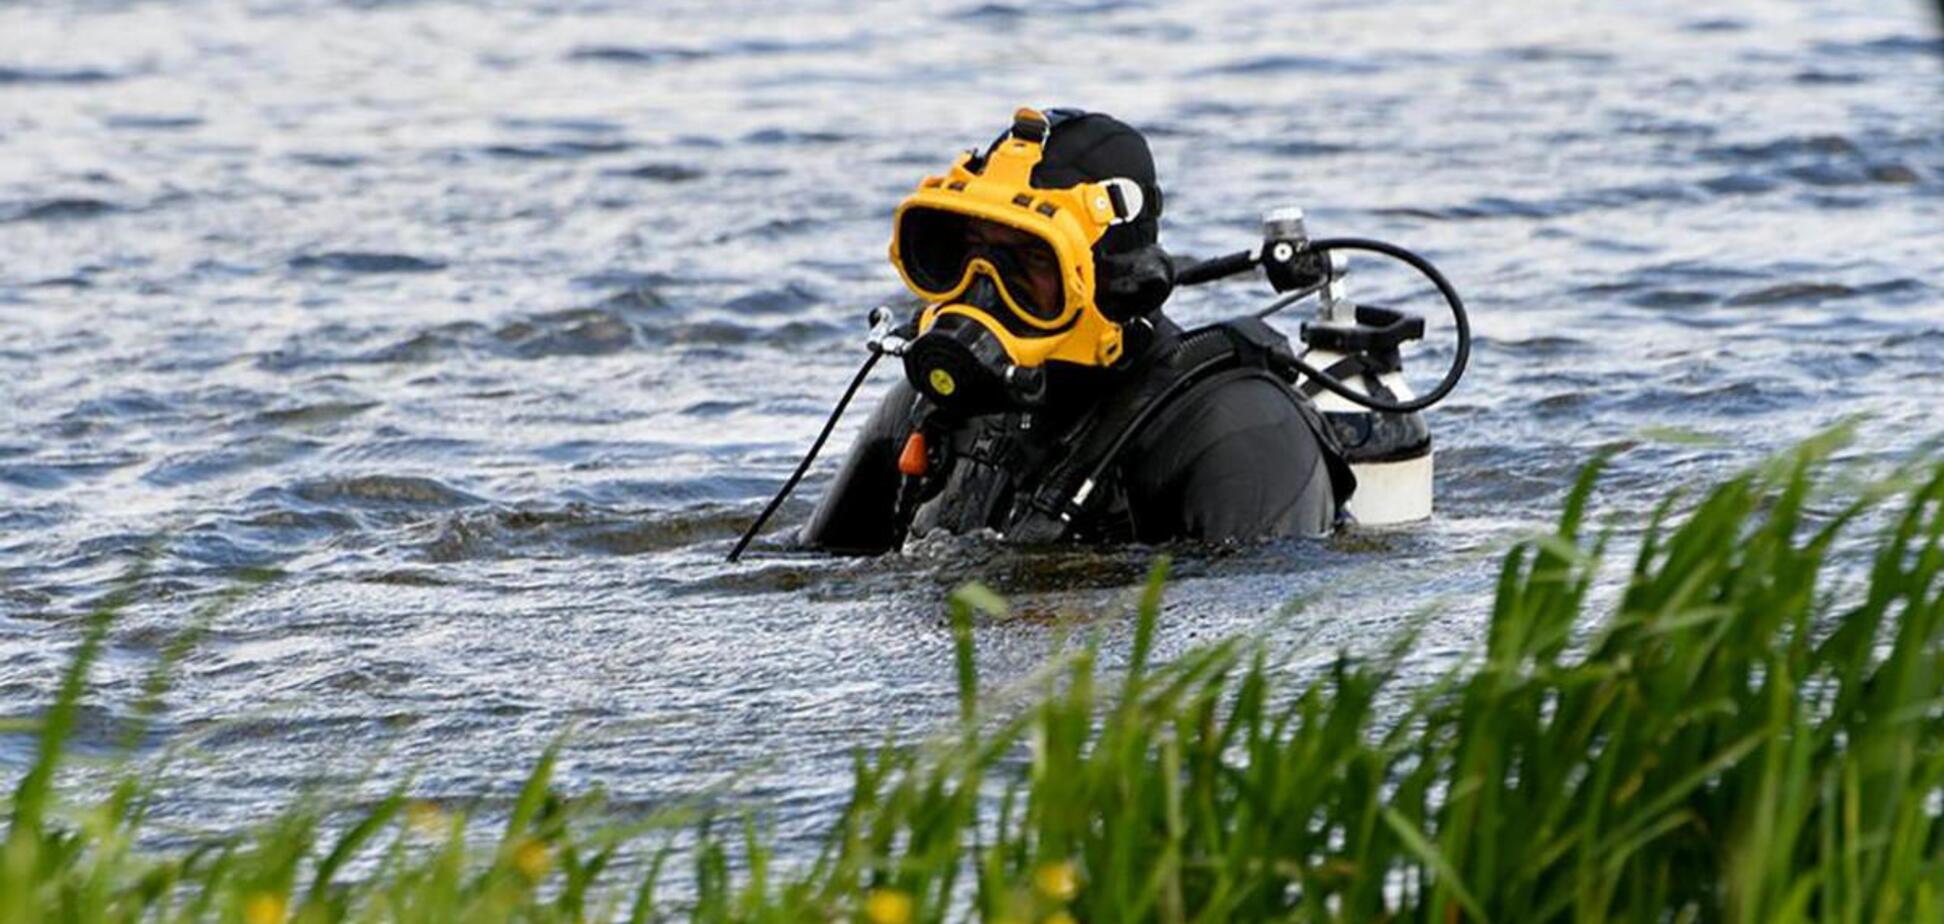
{"x":912,"y":460}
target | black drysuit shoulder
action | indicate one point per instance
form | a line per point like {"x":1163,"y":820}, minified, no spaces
{"x":1240,"y":456}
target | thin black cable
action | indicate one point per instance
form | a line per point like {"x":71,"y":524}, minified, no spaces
{"x":1459,"y":319}
{"x":1288,"y":300}
{"x":809,"y":457}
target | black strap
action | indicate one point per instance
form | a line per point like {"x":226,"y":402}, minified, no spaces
{"x":1118,"y":200}
{"x":1354,"y":364}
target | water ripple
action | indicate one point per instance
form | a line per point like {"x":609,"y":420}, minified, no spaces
{"x":355,"y":261}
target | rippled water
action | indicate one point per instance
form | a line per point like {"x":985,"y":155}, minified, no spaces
{"x":488,"y":326}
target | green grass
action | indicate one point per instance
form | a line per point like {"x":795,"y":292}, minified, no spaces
{"x":1733,"y":739}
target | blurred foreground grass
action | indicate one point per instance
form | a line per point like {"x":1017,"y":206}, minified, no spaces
{"x":1731,"y":740}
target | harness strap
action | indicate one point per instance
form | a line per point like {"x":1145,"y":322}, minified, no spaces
{"x":1343,"y":369}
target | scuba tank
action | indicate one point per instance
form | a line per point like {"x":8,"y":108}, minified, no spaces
{"x":1389,"y":452}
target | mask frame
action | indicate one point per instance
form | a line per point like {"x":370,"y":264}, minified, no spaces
{"x":998,"y":188}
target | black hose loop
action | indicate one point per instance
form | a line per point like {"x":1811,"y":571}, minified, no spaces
{"x":1459,"y":319}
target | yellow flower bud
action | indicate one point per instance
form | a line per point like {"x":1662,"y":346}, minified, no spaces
{"x":264,"y":908}
{"x":531,"y":859}
{"x":1058,"y":881}
{"x":425,"y":817}
{"x":887,"y":906}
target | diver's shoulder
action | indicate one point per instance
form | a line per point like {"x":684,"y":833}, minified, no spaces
{"x":1234,"y":458}
{"x":1244,"y":409}
{"x":1243,"y":397}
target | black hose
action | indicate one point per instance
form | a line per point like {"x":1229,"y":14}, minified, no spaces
{"x":809,"y":457}
{"x":1214,"y":268}
{"x":1459,"y":319}
{"x":1187,"y":380}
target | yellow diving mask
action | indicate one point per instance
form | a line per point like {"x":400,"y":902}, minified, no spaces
{"x":1008,"y":272}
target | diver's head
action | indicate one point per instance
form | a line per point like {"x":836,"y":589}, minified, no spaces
{"x":1033,"y":253}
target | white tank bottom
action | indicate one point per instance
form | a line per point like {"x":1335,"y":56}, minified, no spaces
{"x":1389,"y":493}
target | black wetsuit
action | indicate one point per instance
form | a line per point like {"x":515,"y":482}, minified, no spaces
{"x":1239,"y":455}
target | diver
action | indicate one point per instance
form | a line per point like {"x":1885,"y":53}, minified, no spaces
{"x":1048,"y":397}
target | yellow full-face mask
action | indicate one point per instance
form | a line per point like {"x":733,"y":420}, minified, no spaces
{"x":982,"y":244}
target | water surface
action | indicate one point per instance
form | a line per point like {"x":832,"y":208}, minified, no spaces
{"x":486,"y":327}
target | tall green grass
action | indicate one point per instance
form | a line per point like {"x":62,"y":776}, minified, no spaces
{"x":1734,"y":739}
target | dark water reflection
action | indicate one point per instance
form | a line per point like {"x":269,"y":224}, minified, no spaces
{"x":489,"y":327}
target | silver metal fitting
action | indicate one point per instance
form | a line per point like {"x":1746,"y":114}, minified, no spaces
{"x":1336,"y":307}
{"x":883,"y":337}
{"x":1284,"y":223}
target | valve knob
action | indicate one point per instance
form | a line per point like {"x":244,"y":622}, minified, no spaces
{"x":1284,"y":223}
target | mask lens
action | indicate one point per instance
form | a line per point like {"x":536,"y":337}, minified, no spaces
{"x":934,"y":247}
{"x":1027,"y":267}
{"x":937,"y":246}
